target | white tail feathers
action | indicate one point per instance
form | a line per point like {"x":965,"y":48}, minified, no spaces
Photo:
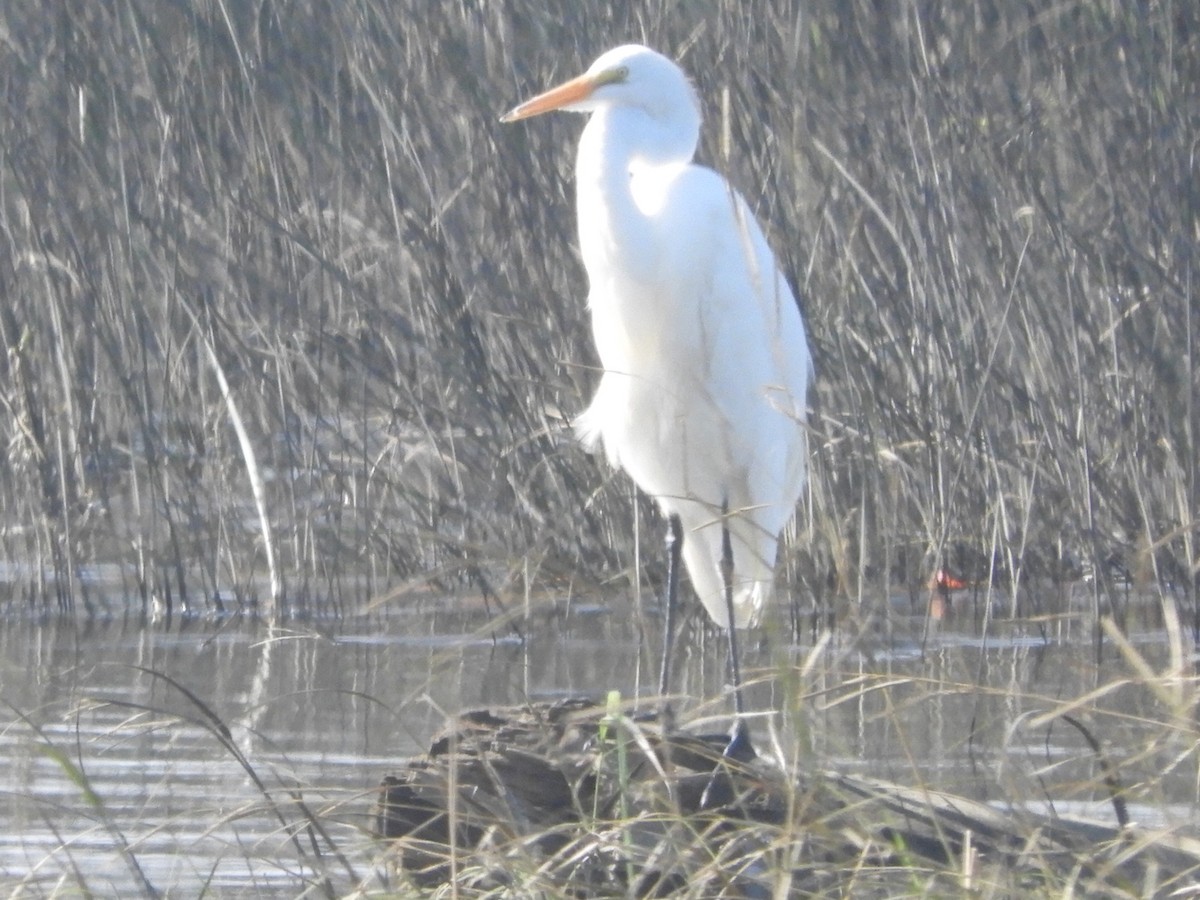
{"x":753,"y":567}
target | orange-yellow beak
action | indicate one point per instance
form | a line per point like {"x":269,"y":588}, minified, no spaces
{"x":556,"y":98}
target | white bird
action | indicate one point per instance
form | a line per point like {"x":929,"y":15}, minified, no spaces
{"x":705,"y":362}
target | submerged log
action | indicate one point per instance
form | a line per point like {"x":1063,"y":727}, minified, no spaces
{"x":575,"y":799}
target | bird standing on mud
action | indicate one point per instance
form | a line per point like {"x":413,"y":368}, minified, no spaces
{"x":706,"y":366}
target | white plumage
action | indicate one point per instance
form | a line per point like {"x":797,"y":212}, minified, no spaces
{"x":706,"y":365}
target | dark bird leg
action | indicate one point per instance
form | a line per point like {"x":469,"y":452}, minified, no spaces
{"x":735,"y":669}
{"x":674,"y":549}
{"x":719,"y":790}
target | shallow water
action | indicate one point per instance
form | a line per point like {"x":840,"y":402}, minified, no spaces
{"x":115,"y":778}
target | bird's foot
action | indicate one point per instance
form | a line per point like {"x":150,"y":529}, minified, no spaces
{"x":740,"y":749}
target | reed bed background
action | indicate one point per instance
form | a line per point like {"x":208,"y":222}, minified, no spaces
{"x":289,"y":317}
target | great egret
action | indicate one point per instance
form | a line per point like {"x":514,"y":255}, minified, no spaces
{"x":706,"y":365}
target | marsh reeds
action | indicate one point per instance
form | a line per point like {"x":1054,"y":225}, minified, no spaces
{"x":288,"y":326}
{"x":284,"y":306}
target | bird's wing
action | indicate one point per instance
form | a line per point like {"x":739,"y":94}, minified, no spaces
{"x":740,"y":341}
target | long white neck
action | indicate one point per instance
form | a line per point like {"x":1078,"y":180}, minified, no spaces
{"x":618,"y":143}
{"x":611,"y":226}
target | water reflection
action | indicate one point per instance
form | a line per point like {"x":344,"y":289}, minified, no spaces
{"x":189,"y":756}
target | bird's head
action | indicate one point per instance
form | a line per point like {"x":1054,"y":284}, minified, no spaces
{"x":628,"y":76}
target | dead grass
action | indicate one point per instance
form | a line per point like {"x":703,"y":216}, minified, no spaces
{"x":300,"y":229}
{"x":1073,"y":788}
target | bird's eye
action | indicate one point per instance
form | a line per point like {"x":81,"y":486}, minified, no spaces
{"x":615,"y":75}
